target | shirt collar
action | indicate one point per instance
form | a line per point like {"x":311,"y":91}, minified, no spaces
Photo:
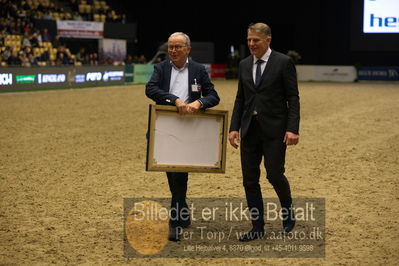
{"x":179,"y":69}
{"x":265,"y":57}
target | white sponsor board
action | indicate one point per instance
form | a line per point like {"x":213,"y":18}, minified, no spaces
{"x":381,"y":16}
{"x":5,"y":79}
{"x":326,"y":73}
{"x":94,"y":76}
{"x":80,"y":29}
{"x":51,"y":78}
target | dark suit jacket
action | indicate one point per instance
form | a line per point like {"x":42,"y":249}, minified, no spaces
{"x":159,"y":85}
{"x":276,"y":99}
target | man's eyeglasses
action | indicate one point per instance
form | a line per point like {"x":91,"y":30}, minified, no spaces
{"x":176,"y":47}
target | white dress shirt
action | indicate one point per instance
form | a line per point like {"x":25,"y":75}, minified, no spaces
{"x":265,"y":58}
{"x":179,"y":82}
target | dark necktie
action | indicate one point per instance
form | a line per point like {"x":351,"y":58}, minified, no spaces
{"x":258,"y":72}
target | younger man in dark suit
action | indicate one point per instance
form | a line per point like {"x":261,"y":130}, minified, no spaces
{"x":266,"y":111}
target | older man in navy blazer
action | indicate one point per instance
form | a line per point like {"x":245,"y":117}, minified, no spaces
{"x":185,"y":84}
{"x":266,"y":111}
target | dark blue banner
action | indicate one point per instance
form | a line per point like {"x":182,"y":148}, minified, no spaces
{"x":383,"y":73}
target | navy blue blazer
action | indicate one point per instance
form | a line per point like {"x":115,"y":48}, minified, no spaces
{"x":158,"y":87}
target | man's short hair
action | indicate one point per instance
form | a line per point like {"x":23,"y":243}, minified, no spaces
{"x":261,"y":28}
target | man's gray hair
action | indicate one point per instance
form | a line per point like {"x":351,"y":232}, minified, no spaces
{"x":188,"y":42}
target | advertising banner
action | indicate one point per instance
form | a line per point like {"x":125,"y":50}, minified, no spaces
{"x":218,"y":71}
{"x":112,"y":48}
{"x":60,"y":77}
{"x":208,"y":69}
{"x":326,"y":73}
{"x":142,"y":73}
{"x":129,"y":73}
{"x":380,"y":16}
{"x":382,"y":73}
{"x":80,"y":29}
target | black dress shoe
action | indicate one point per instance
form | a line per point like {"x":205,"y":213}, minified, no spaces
{"x":174,"y":233}
{"x":289,"y":221}
{"x":252,"y":235}
{"x":288,"y":225}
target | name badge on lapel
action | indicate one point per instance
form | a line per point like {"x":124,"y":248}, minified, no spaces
{"x":195,"y":87}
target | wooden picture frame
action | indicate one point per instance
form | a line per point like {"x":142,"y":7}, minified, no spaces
{"x":186,"y":143}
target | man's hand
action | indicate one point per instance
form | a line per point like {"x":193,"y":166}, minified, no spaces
{"x":181,"y":106}
{"x":291,"y":138}
{"x":234,"y":138}
{"x":193,"y":107}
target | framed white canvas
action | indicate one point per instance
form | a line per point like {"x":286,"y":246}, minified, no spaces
{"x":186,"y":143}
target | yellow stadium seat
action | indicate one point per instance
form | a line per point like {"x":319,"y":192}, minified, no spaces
{"x":16,"y":43}
{"x":88,"y":9}
{"x":82,"y":8}
{"x":36,"y":51}
{"x":56,"y":16}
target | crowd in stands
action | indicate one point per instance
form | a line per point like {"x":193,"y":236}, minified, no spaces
{"x":135,"y":59}
{"x":37,"y":48}
{"x":22,"y":44}
{"x":95,"y":11}
{"x":90,"y":10}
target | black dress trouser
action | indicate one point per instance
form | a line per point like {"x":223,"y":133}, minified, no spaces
{"x":254,"y":146}
{"x":178,"y":187}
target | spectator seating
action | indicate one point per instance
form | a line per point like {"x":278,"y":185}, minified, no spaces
{"x":18,"y":30}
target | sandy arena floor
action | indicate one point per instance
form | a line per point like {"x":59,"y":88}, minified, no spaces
{"x":69,"y":157}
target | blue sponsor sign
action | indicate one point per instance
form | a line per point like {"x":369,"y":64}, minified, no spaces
{"x":382,"y":73}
